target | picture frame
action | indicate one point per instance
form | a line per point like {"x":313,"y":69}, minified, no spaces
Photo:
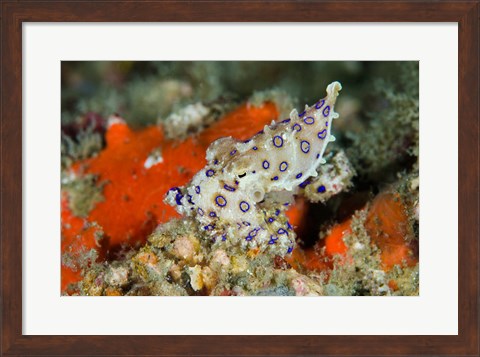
{"x":15,"y":13}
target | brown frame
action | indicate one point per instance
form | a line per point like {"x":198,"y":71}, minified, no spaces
{"x":15,"y":13}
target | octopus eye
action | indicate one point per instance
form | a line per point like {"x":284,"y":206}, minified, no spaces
{"x":242,"y":175}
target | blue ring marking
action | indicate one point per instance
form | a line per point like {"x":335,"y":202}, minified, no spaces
{"x":271,"y":219}
{"x":246,"y":224}
{"x":297,"y":127}
{"x":318,"y":155}
{"x":289,"y":225}
{"x":273,"y":239}
{"x":200,"y":211}
{"x":282,"y":231}
{"x":212,"y":214}
{"x":247,"y":141}
{"x":265,"y":164}
{"x":236,"y":182}
{"x":277,"y":141}
{"x":277,"y":212}
{"x":248,"y":238}
{"x":283,"y":166}
{"x":210,"y":173}
{"x":327,"y":109}
{"x":255,"y":148}
{"x":326,"y":123}
{"x":321,"y":189}
{"x":286,"y":121}
{"x":302,"y":114}
{"x":260,"y":132}
{"x":322,"y":134}
{"x":304,"y":183}
{"x":215,"y":162}
{"x":233,"y":152}
{"x":228,"y":188}
{"x":253,"y":232}
{"x":190,"y":199}
{"x":275,"y":178}
{"x":220,"y":201}
{"x":309,"y":120}
{"x":254,"y":171}
{"x":209,"y":227}
{"x":178,"y":199}
{"x":321,"y":103}
{"x":244,"y":206}
{"x":299,"y":175}
{"x":178,"y":196}
{"x":305,"y":146}
{"x":286,"y":203}
{"x":290,"y":249}
{"x":224,"y":237}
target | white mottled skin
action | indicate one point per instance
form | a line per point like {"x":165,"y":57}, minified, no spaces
{"x":242,"y":167}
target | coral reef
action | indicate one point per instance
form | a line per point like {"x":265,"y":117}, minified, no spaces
{"x":201,"y":137}
{"x":131,"y":175}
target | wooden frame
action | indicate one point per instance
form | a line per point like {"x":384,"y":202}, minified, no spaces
{"x":14,"y":13}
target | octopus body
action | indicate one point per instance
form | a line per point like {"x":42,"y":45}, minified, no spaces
{"x":243,"y":191}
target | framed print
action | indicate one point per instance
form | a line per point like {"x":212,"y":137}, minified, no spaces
{"x":240,"y":178}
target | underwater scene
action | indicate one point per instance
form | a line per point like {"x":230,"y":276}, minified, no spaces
{"x":257,"y":178}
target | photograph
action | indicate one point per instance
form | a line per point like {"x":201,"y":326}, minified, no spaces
{"x":239,"y":178}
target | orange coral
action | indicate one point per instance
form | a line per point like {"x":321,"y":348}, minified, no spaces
{"x":296,"y":214}
{"x":133,"y":195}
{"x":320,"y":256}
{"x":388,"y":227}
{"x":334,"y":243}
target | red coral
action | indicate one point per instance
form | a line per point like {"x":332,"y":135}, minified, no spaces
{"x":133,"y":204}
